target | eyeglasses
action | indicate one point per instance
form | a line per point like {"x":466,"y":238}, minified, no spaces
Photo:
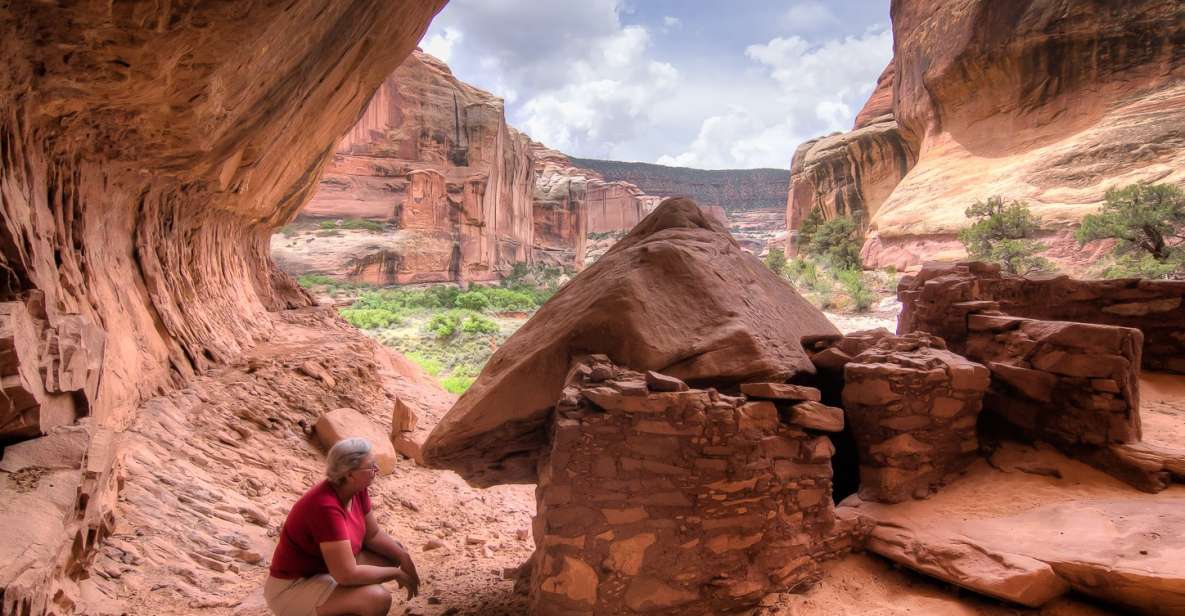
{"x":374,"y":468}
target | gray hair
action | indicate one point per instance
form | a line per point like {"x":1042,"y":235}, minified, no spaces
{"x":344,"y":457}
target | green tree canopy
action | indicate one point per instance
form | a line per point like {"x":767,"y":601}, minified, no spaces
{"x":838,"y":242}
{"x":1142,"y":218}
{"x":1004,"y":233}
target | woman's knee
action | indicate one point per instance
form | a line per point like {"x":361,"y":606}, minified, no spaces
{"x":378,"y":598}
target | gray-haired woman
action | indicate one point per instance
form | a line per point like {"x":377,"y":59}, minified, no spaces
{"x":332,"y":557}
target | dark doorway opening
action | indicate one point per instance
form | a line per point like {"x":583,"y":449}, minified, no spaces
{"x":845,"y":466}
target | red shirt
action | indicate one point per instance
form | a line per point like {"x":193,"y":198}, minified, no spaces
{"x":316,"y":518}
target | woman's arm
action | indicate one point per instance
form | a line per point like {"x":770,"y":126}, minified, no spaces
{"x":346,"y":571}
{"x":379,"y":542}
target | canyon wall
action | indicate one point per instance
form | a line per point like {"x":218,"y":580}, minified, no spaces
{"x":733,"y":189}
{"x":433,"y":160}
{"x":609,"y":205}
{"x":147,"y":152}
{"x":1048,"y":101}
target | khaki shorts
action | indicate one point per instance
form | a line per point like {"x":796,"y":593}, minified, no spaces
{"x":299,"y":597}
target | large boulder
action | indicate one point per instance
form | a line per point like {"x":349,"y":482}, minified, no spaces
{"x":677,"y":295}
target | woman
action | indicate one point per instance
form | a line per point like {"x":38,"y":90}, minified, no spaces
{"x":332,"y":557}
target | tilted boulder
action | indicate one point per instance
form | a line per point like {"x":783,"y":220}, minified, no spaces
{"x":677,"y":295}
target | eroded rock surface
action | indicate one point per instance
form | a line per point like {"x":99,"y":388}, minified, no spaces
{"x":1046,"y":101}
{"x":1065,"y":527}
{"x":433,"y":162}
{"x":149,"y":152}
{"x":676,"y":295}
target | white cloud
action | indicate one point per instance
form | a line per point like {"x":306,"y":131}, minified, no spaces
{"x":578,"y":78}
{"x":812,"y":90}
{"x":441,"y":43}
{"x":573,"y":75}
{"x":808,"y":16}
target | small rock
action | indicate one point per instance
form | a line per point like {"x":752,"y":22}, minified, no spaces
{"x":661,"y":382}
{"x":433,"y":544}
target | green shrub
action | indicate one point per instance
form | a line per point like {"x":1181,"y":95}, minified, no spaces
{"x":1003,"y":233}
{"x":445,"y":324}
{"x":477,"y":324}
{"x":1147,"y":222}
{"x":808,"y":226}
{"x":371,"y":318}
{"x":856,"y":286}
{"x":327,"y":225}
{"x":1144,"y":265}
{"x":836,"y":241}
{"x":456,"y":384}
{"x":802,"y":270}
{"x":428,"y":364}
{"x":823,"y":288}
{"x":776,"y":261}
{"x":309,"y":281}
{"x":473,"y":300}
{"x":359,"y":224}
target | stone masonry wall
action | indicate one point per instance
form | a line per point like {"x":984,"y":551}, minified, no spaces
{"x":1067,"y":383}
{"x":938,"y":299}
{"x":912,"y":407}
{"x":656,"y":498}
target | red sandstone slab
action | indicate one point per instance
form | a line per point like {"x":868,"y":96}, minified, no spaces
{"x":780,"y":391}
{"x":816,"y":416}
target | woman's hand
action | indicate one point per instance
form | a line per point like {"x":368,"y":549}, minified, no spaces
{"x":409,"y":581}
{"x":406,"y":563}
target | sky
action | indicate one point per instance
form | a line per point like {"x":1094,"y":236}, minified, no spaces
{"x":694,"y":83}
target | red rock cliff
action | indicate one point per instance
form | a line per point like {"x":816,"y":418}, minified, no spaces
{"x":433,"y":157}
{"x":610,"y":205}
{"x":147,"y":152}
{"x":1049,"y":101}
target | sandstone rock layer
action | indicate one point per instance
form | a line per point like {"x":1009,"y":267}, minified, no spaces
{"x":1047,"y":101}
{"x":433,"y":159}
{"x":147,"y":152}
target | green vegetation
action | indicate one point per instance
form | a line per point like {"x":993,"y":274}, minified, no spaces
{"x":829,"y":273}
{"x":457,"y":384}
{"x":1004,"y":233}
{"x":837,"y":242}
{"x":309,"y":281}
{"x":371,"y":318}
{"x":358,"y":224}
{"x":450,"y":333}
{"x":776,"y":261}
{"x":856,"y":286}
{"x":1147,"y":223}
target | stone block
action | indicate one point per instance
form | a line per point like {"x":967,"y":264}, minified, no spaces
{"x":780,"y":391}
{"x":816,"y":416}
{"x":344,"y":423}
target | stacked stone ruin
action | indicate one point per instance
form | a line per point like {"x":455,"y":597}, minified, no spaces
{"x":698,"y":471}
{"x":913,"y":408}
{"x":655,"y":497}
{"x":1071,"y":383}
